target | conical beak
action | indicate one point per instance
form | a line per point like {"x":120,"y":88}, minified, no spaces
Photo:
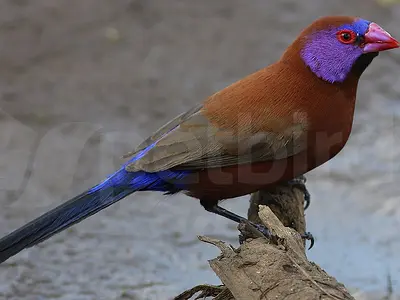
{"x":377,"y":39}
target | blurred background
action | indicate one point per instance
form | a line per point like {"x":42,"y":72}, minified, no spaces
{"x":83,"y":82}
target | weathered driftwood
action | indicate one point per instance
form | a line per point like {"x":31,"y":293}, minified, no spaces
{"x":273,"y":268}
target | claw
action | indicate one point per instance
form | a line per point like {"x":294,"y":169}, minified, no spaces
{"x":308,"y":236}
{"x":307,"y":198}
{"x":252,"y":230}
{"x":299,"y":182}
{"x":261,"y":228}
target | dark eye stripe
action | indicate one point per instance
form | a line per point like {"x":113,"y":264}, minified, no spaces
{"x":360,"y":39}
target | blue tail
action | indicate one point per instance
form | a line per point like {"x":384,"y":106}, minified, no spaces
{"x":117,"y":186}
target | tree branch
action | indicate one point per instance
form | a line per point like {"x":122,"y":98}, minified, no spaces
{"x":274,"y":267}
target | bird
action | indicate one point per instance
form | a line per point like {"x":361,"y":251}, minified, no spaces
{"x":272,"y":126}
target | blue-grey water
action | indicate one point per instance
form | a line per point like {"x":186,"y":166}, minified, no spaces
{"x":83,"y":82}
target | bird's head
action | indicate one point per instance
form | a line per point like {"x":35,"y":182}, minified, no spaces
{"x":332,"y":47}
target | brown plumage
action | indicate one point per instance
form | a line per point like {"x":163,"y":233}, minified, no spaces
{"x":269,"y":127}
{"x":317,"y":115}
{"x":303,"y":122}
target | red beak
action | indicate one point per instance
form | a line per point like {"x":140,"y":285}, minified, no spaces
{"x":377,"y":39}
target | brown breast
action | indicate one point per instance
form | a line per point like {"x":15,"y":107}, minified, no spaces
{"x":281,"y":92}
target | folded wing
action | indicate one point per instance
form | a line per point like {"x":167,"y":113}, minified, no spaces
{"x":191,"y":142}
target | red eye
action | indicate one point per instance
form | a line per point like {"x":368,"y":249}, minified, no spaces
{"x":346,"y":36}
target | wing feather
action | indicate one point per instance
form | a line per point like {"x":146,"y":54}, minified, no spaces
{"x":190,"y":141}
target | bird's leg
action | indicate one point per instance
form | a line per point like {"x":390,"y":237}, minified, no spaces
{"x":299,"y":182}
{"x":214,"y":208}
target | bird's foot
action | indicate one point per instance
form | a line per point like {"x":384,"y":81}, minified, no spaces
{"x":252,"y":231}
{"x":308,"y":237}
{"x":300,"y":183}
{"x":236,"y":218}
{"x":261,"y":228}
{"x":258,"y":229}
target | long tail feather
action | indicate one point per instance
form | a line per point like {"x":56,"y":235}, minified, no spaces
{"x":118,"y":186}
